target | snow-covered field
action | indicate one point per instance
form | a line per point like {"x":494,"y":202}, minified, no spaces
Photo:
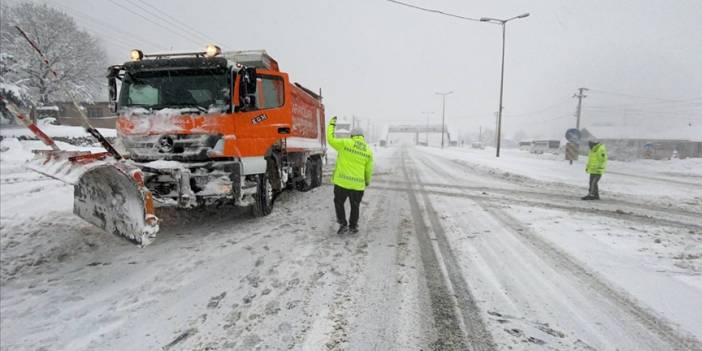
{"x":671,"y":179}
{"x":53,"y":131}
{"x":457,"y":250}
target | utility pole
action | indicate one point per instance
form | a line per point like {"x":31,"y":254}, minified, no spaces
{"x":443,"y":115}
{"x":580,"y":95}
{"x":367,"y":131}
{"x":497,"y":126}
{"x":426,"y":132}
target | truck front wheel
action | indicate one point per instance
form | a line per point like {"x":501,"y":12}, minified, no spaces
{"x":263,"y":204}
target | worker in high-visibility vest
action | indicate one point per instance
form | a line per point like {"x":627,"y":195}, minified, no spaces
{"x":596,"y":164}
{"x":352,"y":174}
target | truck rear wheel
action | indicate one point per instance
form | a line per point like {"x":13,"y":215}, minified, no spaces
{"x":263,"y":202}
{"x":306,"y":183}
{"x":317,"y":174}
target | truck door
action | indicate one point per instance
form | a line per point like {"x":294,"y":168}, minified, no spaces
{"x":266,"y":120}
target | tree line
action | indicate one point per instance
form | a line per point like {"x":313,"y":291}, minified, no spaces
{"x":75,"y":55}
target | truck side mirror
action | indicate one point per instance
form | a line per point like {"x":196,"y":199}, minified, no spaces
{"x":112,"y":87}
{"x":251,"y":78}
{"x":112,"y":74}
{"x":248,"y":84}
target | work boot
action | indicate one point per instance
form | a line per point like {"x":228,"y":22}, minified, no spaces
{"x":343,"y":229}
{"x":353,"y":229}
{"x":588,"y":197}
{"x":596,"y":197}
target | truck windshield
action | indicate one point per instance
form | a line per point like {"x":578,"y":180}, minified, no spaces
{"x":201,"y":89}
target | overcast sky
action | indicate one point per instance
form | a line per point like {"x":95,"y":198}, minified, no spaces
{"x":378,"y":60}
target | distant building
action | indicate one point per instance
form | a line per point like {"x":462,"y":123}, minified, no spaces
{"x":542,"y":146}
{"x":425,"y":135}
{"x":666,"y":145}
{"x":99,"y":113}
{"x":525,"y":145}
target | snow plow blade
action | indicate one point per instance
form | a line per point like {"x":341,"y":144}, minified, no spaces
{"x":107,"y":193}
{"x":113,"y":197}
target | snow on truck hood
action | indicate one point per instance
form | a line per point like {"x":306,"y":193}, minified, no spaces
{"x":144,"y":121}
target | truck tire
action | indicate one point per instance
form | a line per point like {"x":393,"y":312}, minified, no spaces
{"x":318,"y":172}
{"x":306,"y":183}
{"x":263,"y":202}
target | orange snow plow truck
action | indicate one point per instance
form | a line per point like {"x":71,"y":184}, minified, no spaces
{"x":196,"y":129}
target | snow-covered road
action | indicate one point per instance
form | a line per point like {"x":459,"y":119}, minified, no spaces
{"x":451,"y":255}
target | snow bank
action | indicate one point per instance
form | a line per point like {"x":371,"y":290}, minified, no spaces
{"x":55,"y":131}
{"x":679,"y":179}
{"x":11,"y":150}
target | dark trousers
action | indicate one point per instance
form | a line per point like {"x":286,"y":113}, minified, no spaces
{"x":354,"y":196}
{"x":594,"y":189}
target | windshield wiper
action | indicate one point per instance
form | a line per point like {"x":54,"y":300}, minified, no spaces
{"x":198,"y":107}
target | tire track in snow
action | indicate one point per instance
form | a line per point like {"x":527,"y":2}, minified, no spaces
{"x":657,"y":179}
{"x":570,"y":188}
{"x":650,"y":321}
{"x":550,"y":252}
{"x":617,"y":214}
{"x":559,"y":196}
{"x":456,"y":315}
{"x":578,"y":205}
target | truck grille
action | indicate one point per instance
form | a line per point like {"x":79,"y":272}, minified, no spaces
{"x":178,"y":147}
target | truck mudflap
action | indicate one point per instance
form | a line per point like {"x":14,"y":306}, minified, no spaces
{"x":113,"y":197}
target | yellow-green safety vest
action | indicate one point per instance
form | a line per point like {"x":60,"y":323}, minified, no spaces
{"x":597,"y":160}
{"x":354,"y":162}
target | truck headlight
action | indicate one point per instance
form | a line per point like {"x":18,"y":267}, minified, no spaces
{"x":212,"y":50}
{"x":136,"y":55}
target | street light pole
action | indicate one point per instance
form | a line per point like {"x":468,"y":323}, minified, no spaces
{"x":443,"y":115}
{"x":502,"y":23}
{"x":502,"y":80}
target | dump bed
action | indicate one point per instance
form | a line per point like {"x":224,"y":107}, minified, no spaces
{"x":306,"y":119}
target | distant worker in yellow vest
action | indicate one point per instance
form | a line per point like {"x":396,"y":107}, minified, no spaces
{"x":596,"y":164}
{"x":352,"y":174}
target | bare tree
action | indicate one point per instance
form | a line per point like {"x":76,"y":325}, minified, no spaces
{"x":10,"y":91}
{"x":74,"y":54}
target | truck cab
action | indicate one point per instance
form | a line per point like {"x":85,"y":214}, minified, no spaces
{"x":210,"y":126}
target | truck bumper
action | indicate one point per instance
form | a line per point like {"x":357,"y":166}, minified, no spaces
{"x":188,"y":185}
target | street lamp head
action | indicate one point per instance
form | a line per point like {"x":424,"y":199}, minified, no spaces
{"x":523,"y":15}
{"x":484,"y":19}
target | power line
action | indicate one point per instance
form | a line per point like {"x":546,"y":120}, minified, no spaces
{"x":521,"y":114}
{"x":201,"y":34}
{"x":152,"y":22}
{"x":117,"y":41}
{"x":166,"y":21}
{"x":657,"y":104}
{"x":648,"y":112}
{"x":433,"y":11}
{"x":657,"y":109}
{"x":636,"y":96}
{"x":106,"y":25}
{"x":531,"y":113}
